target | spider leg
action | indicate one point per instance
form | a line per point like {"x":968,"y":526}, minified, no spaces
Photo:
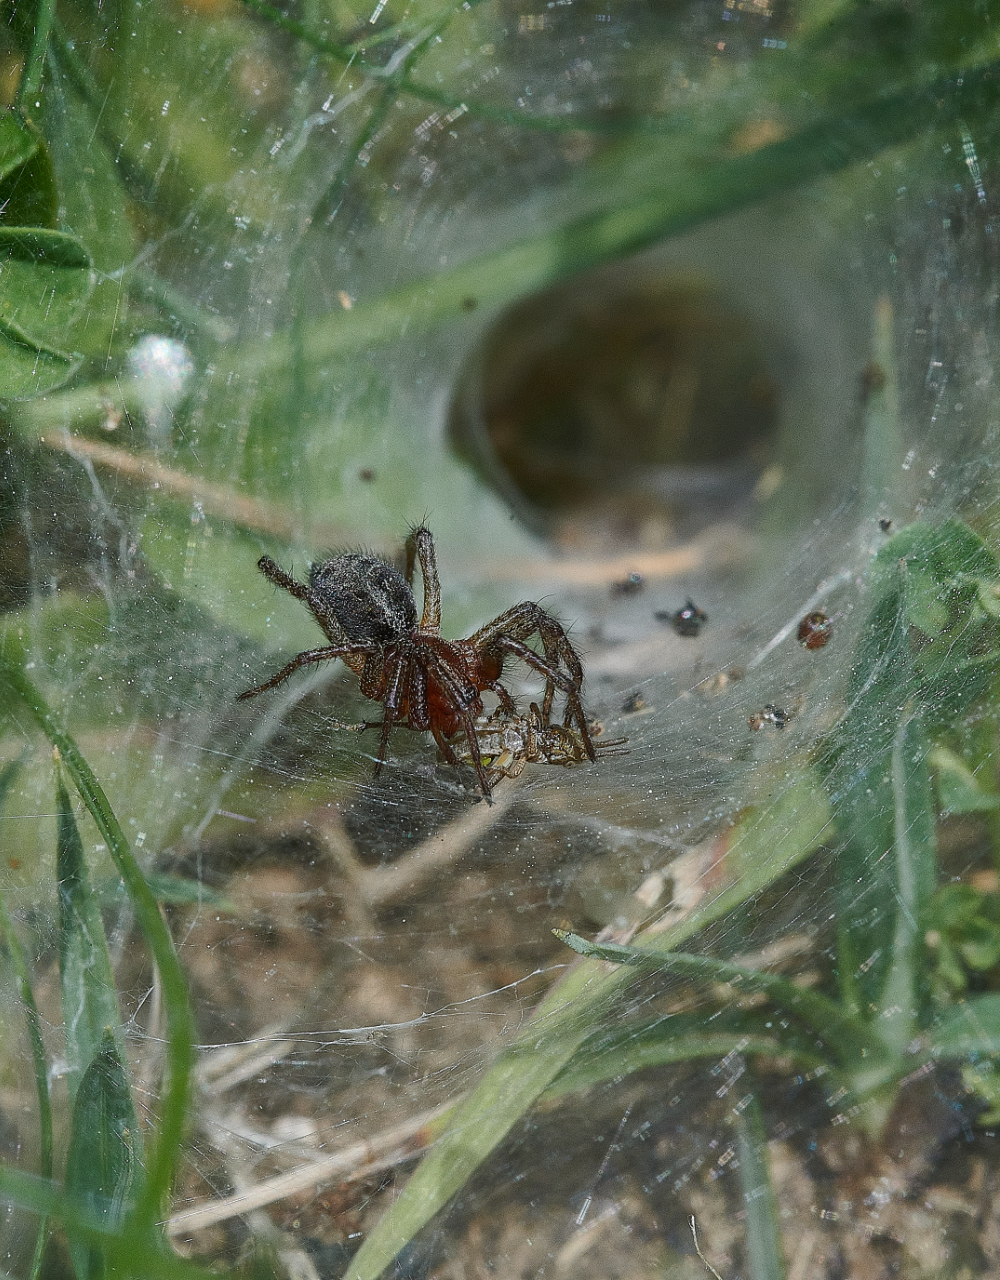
{"x":420,"y":544}
{"x":282,"y":579}
{"x":554,"y":679}
{"x":319,"y":609}
{"x":304,"y":659}
{"x":391,"y":704}
{"x":463,"y":706}
{"x":516,"y":625}
{"x":416,"y":698}
{"x":507,"y":703}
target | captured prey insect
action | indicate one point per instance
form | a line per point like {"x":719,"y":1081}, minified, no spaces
{"x":508,"y":743}
{"x":367,"y":610}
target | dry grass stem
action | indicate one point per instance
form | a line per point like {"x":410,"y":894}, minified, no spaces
{"x":361,"y":1160}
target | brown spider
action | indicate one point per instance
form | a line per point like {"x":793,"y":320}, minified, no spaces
{"x":367,"y":610}
{"x":508,"y":743}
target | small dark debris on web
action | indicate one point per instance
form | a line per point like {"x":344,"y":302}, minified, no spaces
{"x":631,"y":585}
{"x":687,"y":622}
{"x":777,"y":717}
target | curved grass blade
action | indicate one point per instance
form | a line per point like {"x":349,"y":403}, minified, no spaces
{"x":104,"y":1172}
{"x":89,"y":999}
{"x":180,"y":1025}
{"x":19,"y":963}
{"x":848,"y":1037}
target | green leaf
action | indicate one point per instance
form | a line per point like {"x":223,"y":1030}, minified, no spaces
{"x":970,"y":1029}
{"x":45,"y":278}
{"x":959,"y":789}
{"x":28,"y":195}
{"x":939,"y":560}
{"x":964,"y":932}
{"x":18,"y":144}
{"x":89,"y":1001}
{"x":104,"y":1172}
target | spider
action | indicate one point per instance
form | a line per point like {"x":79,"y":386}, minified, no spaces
{"x":368,"y":612}
{"x":507,"y":744}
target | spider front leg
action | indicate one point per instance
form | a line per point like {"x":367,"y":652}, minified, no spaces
{"x":395,"y":673}
{"x":420,"y":544}
{"x":508,"y":633}
{"x":304,"y":659}
{"x":554,"y":679}
{"x":274,"y":573}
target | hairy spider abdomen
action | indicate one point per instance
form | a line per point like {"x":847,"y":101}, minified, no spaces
{"x":365,"y":597}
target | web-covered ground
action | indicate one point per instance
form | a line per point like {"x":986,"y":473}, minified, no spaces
{"x":360,"y":950}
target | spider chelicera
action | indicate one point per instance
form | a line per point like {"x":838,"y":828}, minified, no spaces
{"x":367,"y":610}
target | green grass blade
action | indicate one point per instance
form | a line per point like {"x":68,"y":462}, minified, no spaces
{"x":847,"y":1036}
{"x":763,"y":1236}
{"x":180,"y":1025}
{"x":31,"y":79}
{"x":681,"y":1037}
{"x":916,"y":871}
{"x":511,"y":1086}
{"x":104,"y":1171}
{"x":89,"y":1000}
{"x":762,"y":847}
{"x":128,"y":1251}
{"x":19,"y":963}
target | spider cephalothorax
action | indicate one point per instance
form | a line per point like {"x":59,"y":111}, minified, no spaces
{"x":367,"y":611}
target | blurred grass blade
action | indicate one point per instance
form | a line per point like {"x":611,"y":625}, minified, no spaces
{"x":127,"y":1251}
{"x":39,"y":24}
{"x":180,"y":1025}
{"x":89,"y":1001}
{"x":104,"y":1171}
{"x":19,"y":964}
{"x":765,"y":844}
{"x":915,"y":852}
{"x":676,"y":198}
{"x":764,"y":1259}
